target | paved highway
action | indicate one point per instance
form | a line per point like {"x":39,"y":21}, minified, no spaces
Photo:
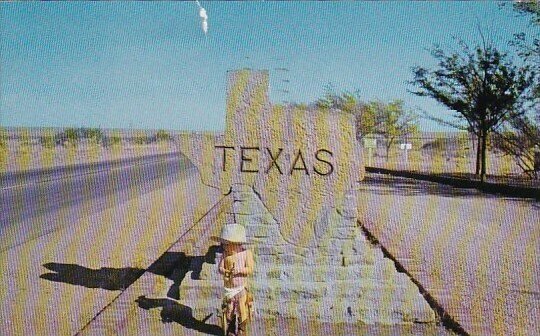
{"x":29,"y":200}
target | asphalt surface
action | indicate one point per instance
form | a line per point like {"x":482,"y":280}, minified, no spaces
{"x":476,"y":254}
{"x":29,"y":200}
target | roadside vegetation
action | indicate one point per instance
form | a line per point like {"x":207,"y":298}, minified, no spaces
{"x":47,"y":139}
{"x":163,"y":136}
{"x":493,"y":95}
{"x":3,"y":139}
{"x":32,"y":148}
{"x":483,"y":87}
{"x":3,"y":148}
{"x":72,"y":137}
{"x":389,"y":121}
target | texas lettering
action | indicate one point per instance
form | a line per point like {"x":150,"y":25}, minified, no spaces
{"x":247,"y":159}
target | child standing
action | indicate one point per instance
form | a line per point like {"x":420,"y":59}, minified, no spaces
{"x":236,"y":264}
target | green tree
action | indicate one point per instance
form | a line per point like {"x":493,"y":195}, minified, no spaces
{"x":163,"y":135}
{"x":93,"y":134}
{"x":47,"y":138}
{"x":69,"y":136}
{"x":141,"y":138}
{"x":520,"y":141}
{"x":3,"y":138}
{"x":483,"y":86}
{"x":531,"y":7}
{"x":350,"y":102}
{"x":389,"y":120}
{"x":392,"y":121}
{"x":519,"y":135}
{"x":115,"y":139}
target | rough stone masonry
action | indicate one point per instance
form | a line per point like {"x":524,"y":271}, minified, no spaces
{"x":300,"y":161}
{"x":290,"y":176}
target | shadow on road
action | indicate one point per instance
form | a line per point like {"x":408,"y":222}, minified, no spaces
{"x":175,"y":312}
{"x":172,"y":265}
{"x":411,"y":187}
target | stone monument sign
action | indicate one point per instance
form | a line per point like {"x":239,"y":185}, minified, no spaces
{"x":300,"y":161}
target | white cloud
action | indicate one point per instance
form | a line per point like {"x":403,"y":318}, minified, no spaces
{"x":204,"y":17}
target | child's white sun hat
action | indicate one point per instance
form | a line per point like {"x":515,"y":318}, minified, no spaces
{"x":232,"y":233}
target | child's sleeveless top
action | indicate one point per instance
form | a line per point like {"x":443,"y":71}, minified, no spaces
{"x":240,"y":264}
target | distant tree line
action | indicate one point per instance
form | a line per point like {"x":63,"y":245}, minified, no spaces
{"x":390,"y":120}
{"x":73,"y":136}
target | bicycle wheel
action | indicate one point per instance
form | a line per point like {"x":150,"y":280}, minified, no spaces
{"x":224,"y":324}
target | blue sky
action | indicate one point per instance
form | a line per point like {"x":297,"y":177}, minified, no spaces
{"x":149,"y":65}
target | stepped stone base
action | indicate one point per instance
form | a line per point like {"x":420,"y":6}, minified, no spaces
{"x":344,"y":279}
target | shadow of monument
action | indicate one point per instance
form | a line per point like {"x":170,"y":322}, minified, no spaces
{"x":172,"y":265}
{"x":410,"y":187}
{"x":172,"y":311}
{"x":176,"y":265}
